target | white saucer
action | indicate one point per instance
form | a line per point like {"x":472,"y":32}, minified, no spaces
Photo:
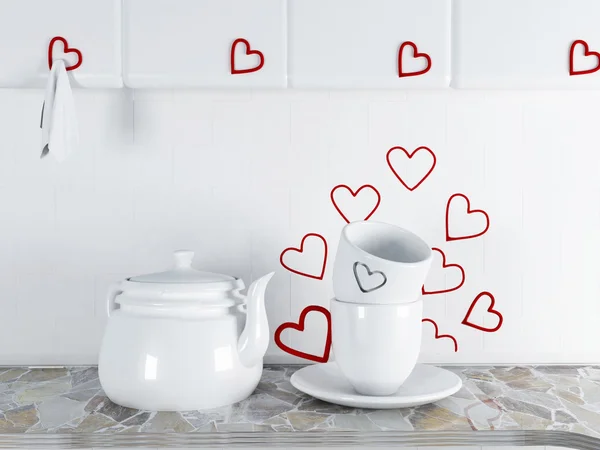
{"x":426,"y":384}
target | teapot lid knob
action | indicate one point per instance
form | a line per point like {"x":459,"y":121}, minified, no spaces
{"x":183,"y":258}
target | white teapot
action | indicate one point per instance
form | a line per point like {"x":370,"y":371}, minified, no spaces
{"x":183,"y":339}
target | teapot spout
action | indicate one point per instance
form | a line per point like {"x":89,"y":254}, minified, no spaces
{"x":254,"y":340}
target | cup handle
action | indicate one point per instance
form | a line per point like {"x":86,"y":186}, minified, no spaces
{"x":113,"y":292}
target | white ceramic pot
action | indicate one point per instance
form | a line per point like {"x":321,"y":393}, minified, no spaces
{"x":379,"y":263}
{"x":376,"y":346}
{"x":183,"y":339}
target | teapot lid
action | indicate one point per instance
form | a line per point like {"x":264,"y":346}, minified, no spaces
{"x":184,"y":273}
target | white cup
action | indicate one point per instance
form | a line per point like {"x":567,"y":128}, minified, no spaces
{"x":379,"y":263}
{"x":376,"y":346}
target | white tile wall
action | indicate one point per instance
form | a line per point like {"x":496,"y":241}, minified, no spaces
{"x":92,"y":28}
{"x":239,"y":176}
{"x":197,"y":37}
{"x":496,"y":44}
{"x":332,"y":43}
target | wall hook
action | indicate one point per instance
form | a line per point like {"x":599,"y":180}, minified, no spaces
{"x":66,"y":50}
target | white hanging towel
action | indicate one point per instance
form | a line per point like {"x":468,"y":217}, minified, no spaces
{"x":60,"y":136}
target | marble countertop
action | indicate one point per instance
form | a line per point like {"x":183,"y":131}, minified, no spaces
{"x":67,"y":407}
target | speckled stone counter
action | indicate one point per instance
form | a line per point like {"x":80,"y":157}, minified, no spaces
{"x":67,"y":408}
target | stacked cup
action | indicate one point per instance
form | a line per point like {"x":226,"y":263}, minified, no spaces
{"x":376,"y":314}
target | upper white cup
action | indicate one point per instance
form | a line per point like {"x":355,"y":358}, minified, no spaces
{"x":379,"y":263}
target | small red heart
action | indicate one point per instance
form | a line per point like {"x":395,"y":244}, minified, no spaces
{"x":66,"y":50}
{"x":249,"y":52}
{"x":300,"y":327}
{"x":354,"y":194}
{"x":586,"y":52}
{"x":490,"y":310}
{"x":416,"y":55}
{"x":446,"y":266}
{"x":441,"y":336}
{"x":469,"y":211}
{"x":410,"y":155}
{"x":300,"y":250}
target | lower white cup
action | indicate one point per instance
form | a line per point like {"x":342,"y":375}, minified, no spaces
{"x":376,"y":346}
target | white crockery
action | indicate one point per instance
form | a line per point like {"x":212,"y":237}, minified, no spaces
{"x":376,"y":346}
{"x":379,"y":263}
{"x":426,"y":384}
{"x":183,"y":339}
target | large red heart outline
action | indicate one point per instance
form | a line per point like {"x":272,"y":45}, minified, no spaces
{"x":416,"y":55}
{"x":300,"y":327}
{"x":410,"y":155}
{"x":446,"y":266}
{"x":469,"y":211}
{"x":66,"y":50}
{"x":490,"y":309}
{"x":300,"y":250}
{"x":249,"y":52}
{"x":354,"y":194}
{"x":442,"y":336}
{"x":586,"y":52}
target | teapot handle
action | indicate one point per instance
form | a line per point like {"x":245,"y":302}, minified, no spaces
{"x":113,"y":292}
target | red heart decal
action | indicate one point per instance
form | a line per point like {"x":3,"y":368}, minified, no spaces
{"x":300,"y":327}
{"x":416,"y":55}
{"x":249,"y":52}
{"x":490,"y":310}
{"x":469,"y":211}
{"x":66,"y":50}
{"x":586,"y":52}
{"x":300,"y":250}
{"x":441,"y":336}
{"x":446,"y":266}
{"x":410,"y":155}
{"x":354,"y":194}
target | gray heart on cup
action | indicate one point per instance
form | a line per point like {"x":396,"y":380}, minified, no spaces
{"x":370,"y":273}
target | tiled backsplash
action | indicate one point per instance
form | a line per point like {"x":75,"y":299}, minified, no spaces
{"x":238,"y":176}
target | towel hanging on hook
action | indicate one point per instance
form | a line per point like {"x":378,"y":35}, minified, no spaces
{"x":58,"y":122}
